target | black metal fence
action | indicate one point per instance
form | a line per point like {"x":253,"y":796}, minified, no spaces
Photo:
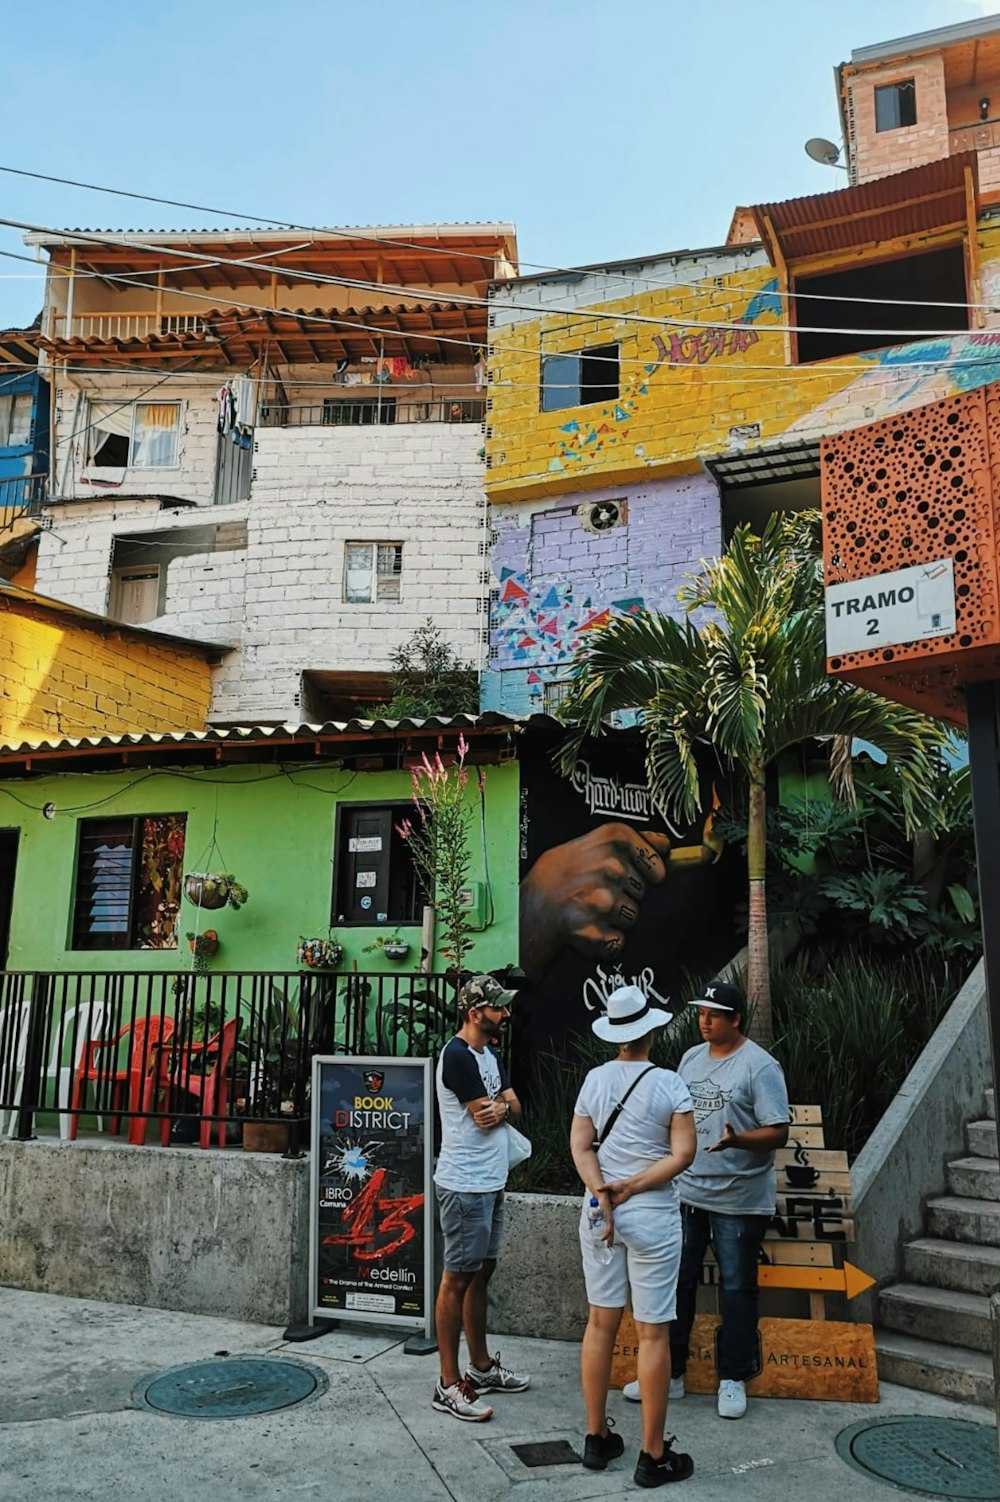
{"x":348,"y":412}
{"x":199,"y":1055}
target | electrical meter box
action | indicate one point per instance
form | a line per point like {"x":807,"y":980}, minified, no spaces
{"x":474,"y":901}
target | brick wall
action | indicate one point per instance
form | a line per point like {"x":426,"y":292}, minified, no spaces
{"x":554,"y":579}
{"x":875,"y":153}
{"x":62,"y":678}
{"x":194,"y":476}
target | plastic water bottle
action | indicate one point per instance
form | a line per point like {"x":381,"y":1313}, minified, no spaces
{"x":597,"y":1226}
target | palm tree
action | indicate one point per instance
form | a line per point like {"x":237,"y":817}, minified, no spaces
{"x":750,"y":681}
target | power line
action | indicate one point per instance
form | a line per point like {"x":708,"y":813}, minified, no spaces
{"x":540,"y":266}
{"x":458,"y":299}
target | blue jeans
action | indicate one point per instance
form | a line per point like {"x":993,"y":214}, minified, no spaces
{"x":736,"y":1240}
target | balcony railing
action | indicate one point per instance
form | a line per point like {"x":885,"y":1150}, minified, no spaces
{"x":21,"y":495}
{"x":126,"y":325}
{"x":92,"y":1049}
{"x":351,"y":412}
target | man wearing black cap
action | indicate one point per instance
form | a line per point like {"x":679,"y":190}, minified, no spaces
{"x":727,"y":1195}
{"x":476,"y":1102}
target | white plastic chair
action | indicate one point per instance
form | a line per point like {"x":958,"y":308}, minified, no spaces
{"x":13,"y":1047}
{"x":90,"y":1016}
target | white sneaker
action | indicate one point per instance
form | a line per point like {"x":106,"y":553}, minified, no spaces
{"x":631,"y":1394}
{"x":462,"y":1401}
{"x":732,"y":1399}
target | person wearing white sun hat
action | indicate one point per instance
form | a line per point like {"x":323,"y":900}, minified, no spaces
{"x":632,"y":1134}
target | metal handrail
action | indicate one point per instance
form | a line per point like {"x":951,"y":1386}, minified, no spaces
{"x":353,"y":411}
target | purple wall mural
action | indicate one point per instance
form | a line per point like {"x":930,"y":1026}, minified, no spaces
{"x":561,"y":570}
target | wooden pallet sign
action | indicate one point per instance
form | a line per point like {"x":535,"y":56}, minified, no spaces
{"x":801,"y":1358}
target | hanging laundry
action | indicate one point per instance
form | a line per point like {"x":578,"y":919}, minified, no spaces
{"x":245,"y":393}
{"x":353,"y":378}
{"x":400,"y":368}
{"x":227,"y":407}
{"x":480,"y":373}
{"x":382,"y":372}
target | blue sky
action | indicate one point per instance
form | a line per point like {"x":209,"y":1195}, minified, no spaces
{"x":601,"y":130}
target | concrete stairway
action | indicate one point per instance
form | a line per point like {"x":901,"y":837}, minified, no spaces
{"x":935,"y":1325}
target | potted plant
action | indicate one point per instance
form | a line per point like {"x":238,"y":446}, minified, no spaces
{"x":275,"y":1075}
{"x":393,"y":946}
{"x":319,"y":954}
{"x":203,"y":946}
{"x":214,"y":889}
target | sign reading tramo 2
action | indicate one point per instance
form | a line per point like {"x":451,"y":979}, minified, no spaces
{"x":890,"y":610}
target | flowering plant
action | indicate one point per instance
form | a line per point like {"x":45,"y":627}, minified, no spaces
{"x":319,"y":954}
{"x":439,"y":846}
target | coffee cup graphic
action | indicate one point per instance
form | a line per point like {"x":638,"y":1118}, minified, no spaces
{"x":800,"y":1174}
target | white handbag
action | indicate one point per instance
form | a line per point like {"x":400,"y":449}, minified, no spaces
{"x":518,"y":1147}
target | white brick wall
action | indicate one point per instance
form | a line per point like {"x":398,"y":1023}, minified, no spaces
{"x":314,"y":490}
{"x":193,"y":478}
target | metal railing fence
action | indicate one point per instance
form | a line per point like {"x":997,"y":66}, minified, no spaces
{"x":350,"y":412}
{"x":218,"y":1047}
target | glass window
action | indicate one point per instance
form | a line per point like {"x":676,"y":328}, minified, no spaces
{"x":895,"y":105}
{"x":155,"y":431}
{"x":592,"y":375}
{"x":15,"y":418}
{"x":372,"y":571}
{"x":128,"y":882}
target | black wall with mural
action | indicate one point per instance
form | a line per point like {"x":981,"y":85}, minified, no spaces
{"x":575,"y":874}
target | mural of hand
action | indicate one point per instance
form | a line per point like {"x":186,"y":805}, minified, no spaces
{"x":587,"y":893}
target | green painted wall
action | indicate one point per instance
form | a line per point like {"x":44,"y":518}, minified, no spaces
{"x":275,"y":829}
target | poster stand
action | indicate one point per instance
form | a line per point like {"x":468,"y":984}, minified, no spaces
{"x":371,"y":1238}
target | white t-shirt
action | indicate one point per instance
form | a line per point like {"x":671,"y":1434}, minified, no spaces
{"x":641,"y":1135}
{"x":471,"y":1161}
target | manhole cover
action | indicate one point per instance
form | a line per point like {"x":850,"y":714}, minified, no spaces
{"x":547,"y":1452}
{"x":941,"y":1458}
{"x":231,"y":1389}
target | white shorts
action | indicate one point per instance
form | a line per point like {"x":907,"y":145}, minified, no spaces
{"x":645,"y":1259}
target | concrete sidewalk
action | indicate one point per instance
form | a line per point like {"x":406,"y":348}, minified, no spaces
{"x":70,"y":1429}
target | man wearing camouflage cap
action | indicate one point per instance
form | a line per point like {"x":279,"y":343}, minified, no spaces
{"x":475,"y":1101}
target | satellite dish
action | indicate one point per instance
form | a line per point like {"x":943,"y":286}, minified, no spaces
{"x":823,"y":151}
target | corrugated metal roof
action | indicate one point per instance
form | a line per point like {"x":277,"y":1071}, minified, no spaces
{"x":248,"y":735}
{"x":918,"y":201}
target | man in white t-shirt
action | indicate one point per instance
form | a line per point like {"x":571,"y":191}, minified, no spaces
{"x":476,"y":1102}
{"x":741,"y":1117}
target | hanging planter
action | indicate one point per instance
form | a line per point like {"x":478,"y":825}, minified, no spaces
{"x":214,"y":889}
{"x":203,"y":946}
{"x":319,"y":954}
{"x":393,"y":947}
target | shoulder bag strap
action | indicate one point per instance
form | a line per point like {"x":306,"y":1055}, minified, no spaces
{"x":603,"y":1135}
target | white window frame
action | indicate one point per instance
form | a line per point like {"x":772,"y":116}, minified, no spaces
{"x":8,"y":402}
{"x":376,"y":596}
{"x":139,"y":402}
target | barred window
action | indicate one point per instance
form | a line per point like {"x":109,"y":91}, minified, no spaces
{"x":372,"y":572}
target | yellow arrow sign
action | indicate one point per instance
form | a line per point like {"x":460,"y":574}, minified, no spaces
{"x":849,"y":1280}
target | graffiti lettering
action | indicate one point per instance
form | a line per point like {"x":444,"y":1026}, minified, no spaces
{"x":698,"y":346}
{"x":609,"y":795}
{"x":360,"y":1232}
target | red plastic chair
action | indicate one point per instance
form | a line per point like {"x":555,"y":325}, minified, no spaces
{"x":200,"y":1069}
{"x":140,"y":1056}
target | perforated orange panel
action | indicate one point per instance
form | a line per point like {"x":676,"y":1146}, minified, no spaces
{"x":907,"y":490}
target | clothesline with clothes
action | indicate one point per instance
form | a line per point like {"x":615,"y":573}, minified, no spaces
{"x":237,"y":406}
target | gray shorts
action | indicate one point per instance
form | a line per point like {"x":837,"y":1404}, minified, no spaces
{"x":472,"y":1227}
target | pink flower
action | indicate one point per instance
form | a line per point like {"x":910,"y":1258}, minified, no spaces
{"x":463,"y":747}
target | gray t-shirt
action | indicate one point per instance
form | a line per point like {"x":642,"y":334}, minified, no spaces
{"x":747,"y":1090}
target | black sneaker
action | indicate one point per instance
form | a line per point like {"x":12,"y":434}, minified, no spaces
{"x":598,"y":1449}
{"x":670,"y":1467}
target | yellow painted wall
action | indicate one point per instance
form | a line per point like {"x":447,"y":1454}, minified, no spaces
{"x":692,"y":388}
{"x":59,"y":678}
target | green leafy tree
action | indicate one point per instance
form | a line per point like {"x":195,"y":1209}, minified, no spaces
{"x":750,"y":681}
{"x":428,"y":678}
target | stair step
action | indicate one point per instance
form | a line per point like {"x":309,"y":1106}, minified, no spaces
{"x":960,"y":1218}
{"x":932,"y":1367}
{"x":937,"y":1314}
{"x":981,"y":1137}
{"x":976,"y":1178}
{"x":991,"y":1105}
{"x":952,"y":1264}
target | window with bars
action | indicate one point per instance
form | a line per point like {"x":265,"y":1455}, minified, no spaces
{"x":372,"y":571}
{"x":555,"y":694}
{"x":128,"y":882}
